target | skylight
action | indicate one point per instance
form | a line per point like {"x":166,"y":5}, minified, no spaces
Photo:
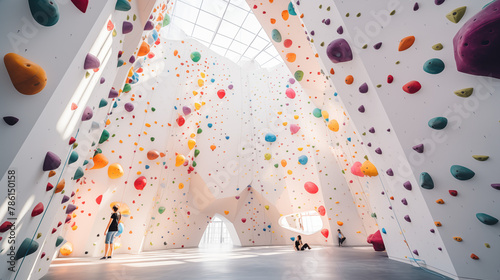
{"x":227,"y":27}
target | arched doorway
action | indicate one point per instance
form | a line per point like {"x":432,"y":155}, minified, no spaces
{"x":220,"y":232}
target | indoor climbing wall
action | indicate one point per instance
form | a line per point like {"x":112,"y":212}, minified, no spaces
{"x":61,"y":61}
{"x":423,"y":95}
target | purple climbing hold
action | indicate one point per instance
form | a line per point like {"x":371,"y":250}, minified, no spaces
{"x":131,"y":59}
{"x":102,"y":80}
{"x":415,"y":252}
{"x":87,"y":114}
{"x":476,"y":44}
{"x":382,"y":193}
{"x":68,"y":219}
{"x":495,"y":186}
{"x":65,"y":199}
{"x":407,"y":218}
{"x":127,"y":27}
{"x":129,"y":107}
{"x":377,"y":45}
{"x":371,"y":130}
{"x":416,"y":7}
{"x":231,"y":86}
{"x":340,"y":30}
{"x":378,"y":151}
{"x":91,"y":62}
{"x":339,"y":51}
{"x":51,"y":162}
{"x":312,"y":33}
{"x":390,"y":172}
{"x":388,"y":130}
{"x":407,"y":185}
{"x":419,"y":148}
{"x":10,"y":120}
{"x":440,"y":249}
{"x":369,"y":144}
{"x":70,"y":208}
{"x":390,"y":207}
{"x":361,"y":109}
{"x":438,"y":2}
{"x":404,"y":201}
{"x":113,"y":93}
{"x":186,"y":110}
{"x":327,"y":21}
{"x":363,"y":88}
{"x":149,"y":25}
{"x":432,"y":230}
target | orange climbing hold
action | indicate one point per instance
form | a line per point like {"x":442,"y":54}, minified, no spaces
{"x":212,"y":147}
{"x":143,"y":49}
{"x":60,"y":186}
{"x":290,"y":57}
{"x":285,"y":15}
{"x":458,"y":238}
{"x":99,"y":161}
{"x":474,"y":257}
{"x":438,"y":224}
{"x":27,"y":77}
{"x":349,"y":79}
{"x":440,"y":201}
{"x":406,"y":42}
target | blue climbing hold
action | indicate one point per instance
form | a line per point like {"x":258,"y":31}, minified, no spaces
{"x":45,"y":12}
{"x":426,"y":181}
{"x":383,"y":231}
{"x":486,"y":219}
{"x":317,"y":112}
{"x":434,"y":66}
{"x":270,"y":137}
{"x":26,"y":248}
{"x":461,"y":173}
{"x":210,"y":125}
{"x":122,"y":5}
{"x":276,"y":35}
{"x":438,"y":123}
{"x":303,"y":160}
{"x":291,"y":9}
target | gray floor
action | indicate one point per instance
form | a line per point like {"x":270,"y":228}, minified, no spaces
{"x":275,"y":262}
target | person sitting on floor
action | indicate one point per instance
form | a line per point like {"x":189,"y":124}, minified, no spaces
{"x":299,"y":246}
{"x":341,"y":237}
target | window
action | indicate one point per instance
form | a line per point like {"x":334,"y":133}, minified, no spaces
{"x":216,"y":233}
{"x":306,"y":223}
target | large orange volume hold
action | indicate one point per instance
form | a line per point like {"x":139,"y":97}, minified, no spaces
{"x":27,"y":77}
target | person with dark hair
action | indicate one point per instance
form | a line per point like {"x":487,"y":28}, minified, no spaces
{"x":341,"y":237}
{"x":299,"y":246}
{"x":111,"y":231}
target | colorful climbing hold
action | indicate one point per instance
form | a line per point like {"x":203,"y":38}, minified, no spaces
{"x":26,"y":76}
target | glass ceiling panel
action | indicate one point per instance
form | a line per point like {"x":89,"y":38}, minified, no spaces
{"x":227,"y":27}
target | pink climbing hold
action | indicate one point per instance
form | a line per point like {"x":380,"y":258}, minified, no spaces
{"x":311,"y":187}
{"x":419,"y":148}
{"x":376,"y":240}
{"x":91,"y":62}
{"x":87,"y":114}
{"x":412,"y":87}
{"x":37,"y":210}
{"x":356,"y":169}
{"x":339,"y":51}
{"x":476,"y":43}
{"x":290,"y":93}
{"x":294,"y":128}
{"x":51,"y":162}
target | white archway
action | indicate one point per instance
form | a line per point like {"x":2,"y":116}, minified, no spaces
{"x":220,"y":231}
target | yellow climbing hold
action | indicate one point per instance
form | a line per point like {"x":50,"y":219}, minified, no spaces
{"x":369,"y":169}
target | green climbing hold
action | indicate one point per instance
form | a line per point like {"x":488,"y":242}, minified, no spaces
{"x":38,"y":235}
{"x":166,"y":20}
{"x":199,"y":131}
{"x":26,"y":248}
{"x":103,"y":103}
{"x":486,"y":219}
{"x":122,"y":5}
{"x":374,"y":215}
{"x":276,"y":35}
{"x":393,"y":12}
{"x":434,"y":66}
{"x":120,"y":63}
{"x":194,"y":163}
{"x":317,"y":112}
{"x":45,"y":12}
{"x":196,"y":152}
{"x":161,"y":210}
{"x":85,"y":162}
{"x":104,"y":136}
{"x":437,"y":47}
{"x":465,"y":92}
{"x":487,"y":245}
{"x":78,"y":173}
{"x":59,"y":240}
{"x":438,"y":123}
{"x":426,"y":181}
{"x":276,"y":165}
{"x":461,"y":173}
{"x":127,"y":88}
{"x":480,"y":158}
{"x":73,"y":157}
{"x":456,"y":15}
{"x":299,"y":75}
{"x":195,"y":56}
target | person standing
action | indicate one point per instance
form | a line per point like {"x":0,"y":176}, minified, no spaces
{"x":341,"y":237}
{"x":110,"y":232}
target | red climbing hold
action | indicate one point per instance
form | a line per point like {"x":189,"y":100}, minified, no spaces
{"x":98,"y":199}
{"x":453,"y":192}
{"x":321,"y":210}
{"x":81,"y":4}
{"x":37,"y":210}
{"x":180,"y":120}
{"x":325,"y":232}
{"x":221,"y":93}
{"x":412,"y":87}
{"x":390,"y":79}
{"x":5,"y":226}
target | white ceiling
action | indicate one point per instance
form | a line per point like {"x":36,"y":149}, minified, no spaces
{"x":227,"y":27}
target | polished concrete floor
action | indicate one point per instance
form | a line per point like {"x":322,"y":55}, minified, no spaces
{"x":241,"y":263}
